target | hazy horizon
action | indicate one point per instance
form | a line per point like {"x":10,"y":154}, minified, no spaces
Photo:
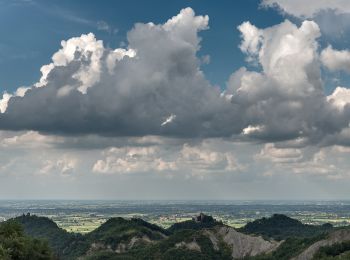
{"x":188,"y":100}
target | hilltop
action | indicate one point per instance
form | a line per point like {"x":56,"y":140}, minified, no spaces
{"x":203,"y":237}
{"x":282,"y":227}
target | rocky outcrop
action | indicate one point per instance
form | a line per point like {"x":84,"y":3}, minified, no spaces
{"x":134,"y":241}
{"x":338,"y":236}
{"x":242,"y":245}
{"x":193,"y":245}
{"x":122,"y":247}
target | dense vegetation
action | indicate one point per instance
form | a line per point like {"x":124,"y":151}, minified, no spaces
{"x":168,"y":249}
{"x":119,"y":238}
{"x":201,"y":222}
{"x":281,"y":227}
{"x":336,"y":251}
{"x":290,"y":248}
{"x":14,"y":244}
{"x":117,"y":230}
{"x":65,"y":244}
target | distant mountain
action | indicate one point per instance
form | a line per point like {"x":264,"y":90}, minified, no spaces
{"x":281,"y":227}
{"x":277,"y":237}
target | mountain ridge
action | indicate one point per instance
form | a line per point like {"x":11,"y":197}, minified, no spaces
{"x":203,"y":237}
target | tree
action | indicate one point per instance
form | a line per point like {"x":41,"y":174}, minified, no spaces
{"x":14,"y":244}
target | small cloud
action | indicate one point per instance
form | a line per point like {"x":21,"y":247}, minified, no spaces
{"x":170,"y":119}
{"x":103,"y":26}
{"x":205,"y":59}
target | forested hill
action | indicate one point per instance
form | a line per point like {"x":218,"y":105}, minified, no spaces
{"x":277,"y":237}
{"x":281,"y":227}
{"x":15,"y":244}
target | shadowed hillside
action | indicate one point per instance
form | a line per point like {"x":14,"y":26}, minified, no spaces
{"x":14,"y":244}
{"x":277,"y":237}
{"x":282,"y":227}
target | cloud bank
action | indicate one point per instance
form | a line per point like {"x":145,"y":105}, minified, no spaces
{"x":311,"y":9}
{"x":156,"y":87}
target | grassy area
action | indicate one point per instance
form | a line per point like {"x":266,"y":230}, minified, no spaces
{"x":84,"y":223}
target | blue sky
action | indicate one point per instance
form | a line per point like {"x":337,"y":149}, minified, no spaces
{"x":266,"y":116}
{"x":32,"y":31}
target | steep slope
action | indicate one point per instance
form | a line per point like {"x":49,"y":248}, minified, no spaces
{"x":240,"y":245}
{"x":120,"y":235}
{"x":219,"y":242}
{"x":201,"y":238}
{"x":335,"y":238}
{"x":117,"y":235}
{"x":66,"y":245}
{"x":14,"y":244}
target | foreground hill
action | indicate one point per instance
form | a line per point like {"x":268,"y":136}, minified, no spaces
{"x":278,"y":237}
{"x":115,"y":235}
{"x":65,"y":244}
{"x":14,"y":244}
{"x":335,"y":246}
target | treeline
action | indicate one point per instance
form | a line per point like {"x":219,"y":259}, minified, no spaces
{"x":281,"y":227}
{"x":30,"y":237}
{"x":336,"y":251}
{"x":14,"y":244}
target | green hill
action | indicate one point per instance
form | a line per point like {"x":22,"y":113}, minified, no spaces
{"x":281,"y":227}
{"x":200,"y":222}
{"x":65,"y":244}
{"x":14,"y":244}
{"x":200,"y":238}
{"x":115,"y":235}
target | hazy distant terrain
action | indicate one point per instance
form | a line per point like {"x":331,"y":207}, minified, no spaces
{"x":202,"y":237}
{"x":84,"y":216}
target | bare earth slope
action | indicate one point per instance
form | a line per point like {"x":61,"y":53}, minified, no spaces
{"x":241,"y":245}
{"x":334,"y":237}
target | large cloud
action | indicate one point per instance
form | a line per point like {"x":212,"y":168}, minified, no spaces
{"x":332,"y":16}
{"x":156,"y":87}
{"x":91,"y":89}
{"x":300,"y":9}
{"x":192,"y":160}
{"x":336,"y":59}
{"x":286,"y":99}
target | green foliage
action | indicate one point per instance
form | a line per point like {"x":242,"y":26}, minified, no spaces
{"x":281,"y":227}
{"x":14,"y":244}
{"x":193,"y":225}
{"x":335,"y":251}
{"x":105,"y":255}
{"x":166,"y":244}
{"x":66,"y":245}
{"x":183,"y":254}
{"x":70,"y":246}
{"x":117,"y":230}
{"x":168,"y":249}
{"x":290,"y":248}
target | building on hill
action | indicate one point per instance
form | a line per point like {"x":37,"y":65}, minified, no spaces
{"x":203,"y":218}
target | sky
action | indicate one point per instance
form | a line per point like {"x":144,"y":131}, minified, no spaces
{"x":188,"y":99}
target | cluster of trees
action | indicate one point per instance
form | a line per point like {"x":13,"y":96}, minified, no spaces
{"x":335,"y":251}
{"x":14,"y":244}
{"x":24,"y":238}
{"x":200,"y":222}
{"x":66,"y":245}
{"x":281,"y":227}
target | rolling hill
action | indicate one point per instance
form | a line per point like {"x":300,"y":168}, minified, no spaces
{"x":277,"y":237}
